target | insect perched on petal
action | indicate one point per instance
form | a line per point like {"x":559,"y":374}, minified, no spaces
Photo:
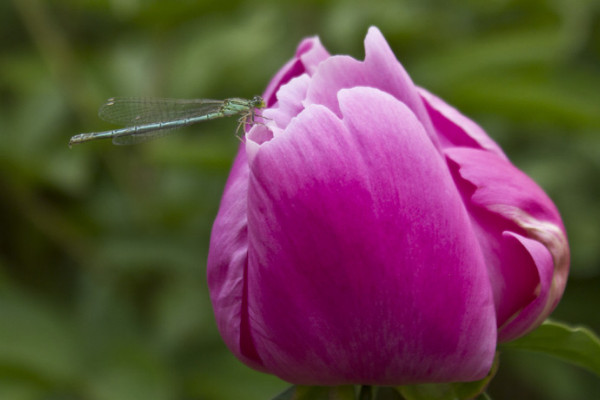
{"x":148,"y":118}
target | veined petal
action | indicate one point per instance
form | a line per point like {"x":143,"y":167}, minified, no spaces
{"x":503,"y":200}
{"x":540,"y":305}
{"x":380,"y":70}
{"x":290,"y":101}
{"x":227,"y":265}
{"x":362,"y":263}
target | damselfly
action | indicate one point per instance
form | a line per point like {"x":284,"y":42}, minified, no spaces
{"x":147,"y":118}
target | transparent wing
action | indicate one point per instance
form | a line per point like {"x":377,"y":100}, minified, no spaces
{"x":130,"y":111}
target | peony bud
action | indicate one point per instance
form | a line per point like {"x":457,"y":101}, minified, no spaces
{"x":369,"y":233}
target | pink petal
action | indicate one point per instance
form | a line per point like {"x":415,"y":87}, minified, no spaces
{"x":528,"y":279}
{"x":454,"y":129}
{"x":227,"y":265}
{"x":380,"y":69}
{"x":538,"y":308}
{"x":362,"y":264}
{"x":290,"y":98}
{"x":309,"y":54}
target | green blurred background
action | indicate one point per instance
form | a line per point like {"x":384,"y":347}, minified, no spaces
{"x":103,"y":249}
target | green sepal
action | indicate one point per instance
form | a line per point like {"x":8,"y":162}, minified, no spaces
{"x":575,"y":345}
{"x":449,"y":391}
{"x":298,"y":392}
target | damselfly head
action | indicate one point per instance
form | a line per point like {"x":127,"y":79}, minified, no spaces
{"x":258,"y":102}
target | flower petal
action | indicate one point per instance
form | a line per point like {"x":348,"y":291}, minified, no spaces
{"x":363,"y":266}
{"x":504,"y":201}
{"x":290,"y":98}
{"x":227,"y":265}
{"x":380,"y":70}
{"x":309,"y":54}
{"x":454,"y":129}
{"x":534,"y":310}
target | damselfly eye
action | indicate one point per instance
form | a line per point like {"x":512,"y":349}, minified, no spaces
{"x":258,"y":102}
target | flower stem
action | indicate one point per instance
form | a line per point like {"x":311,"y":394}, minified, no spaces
{"x":366,"y":393}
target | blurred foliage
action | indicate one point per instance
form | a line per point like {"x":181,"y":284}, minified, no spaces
{"x":102,"y":248}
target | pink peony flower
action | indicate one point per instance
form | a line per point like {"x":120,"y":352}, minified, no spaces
{"x":369,"y":233}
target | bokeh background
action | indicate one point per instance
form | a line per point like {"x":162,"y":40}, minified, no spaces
{"x":103,"y":248}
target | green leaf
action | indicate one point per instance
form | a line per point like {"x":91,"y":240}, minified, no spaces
{"x":449,"y":391}
{"x":317,"y":393}
{"x":576,"y":345}
{"x":387,"y":393}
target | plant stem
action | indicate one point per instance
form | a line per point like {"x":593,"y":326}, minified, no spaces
{"x":366,"y":393}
